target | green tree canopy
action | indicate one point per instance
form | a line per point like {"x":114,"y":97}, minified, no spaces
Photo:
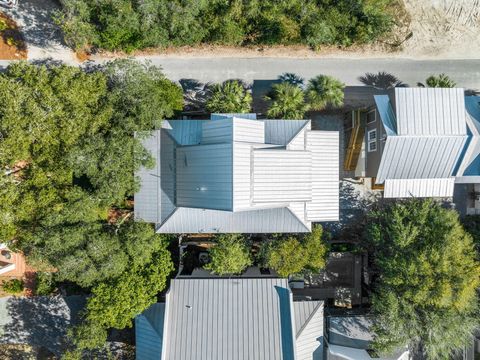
{"x":440,"y":81}
{"x":129,"y":24}
{"x":230,"y":255}
{"x":323,"y":91}
{"x":286,"y":101}
{"x":114,"y":303}
{"x":229,"y":97}
{"x":70,"y":152}
{"x":426,"y":291}
{"x":293,"y":256}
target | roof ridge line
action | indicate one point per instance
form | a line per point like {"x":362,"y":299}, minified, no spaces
{"x":299,"y":332}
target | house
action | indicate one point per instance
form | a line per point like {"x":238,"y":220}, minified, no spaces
{"x":230,"y":318}
{"x":416,"y":142}
{"x":349,"y":338}
{"x":12,"y":264}
{"x":234,"y":173}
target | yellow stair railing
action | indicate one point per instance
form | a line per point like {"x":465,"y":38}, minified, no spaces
{"x":355,"y":142}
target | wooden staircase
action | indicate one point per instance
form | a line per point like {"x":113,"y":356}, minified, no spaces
{"x":357,"y":135}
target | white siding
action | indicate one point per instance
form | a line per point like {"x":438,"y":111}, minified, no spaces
{"x":405,"y":188}
{"x":324,"y":146}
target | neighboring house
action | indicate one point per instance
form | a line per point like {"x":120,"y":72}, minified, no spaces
{"x":12,"y":264}
{"x":417,"y":142}
{"x":234,"y":319}
{"x":235,"y":173}
{"x":349,"y":338}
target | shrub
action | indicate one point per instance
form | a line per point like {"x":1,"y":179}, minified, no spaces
{"x":45,"y":283}
{"x":230,"y":255}
{"x":13,"y":286}
{"x":129,"y":24}
{"x":292,"y":256}
{"x":440,"y":81}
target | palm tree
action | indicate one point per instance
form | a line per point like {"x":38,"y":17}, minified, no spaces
{"x":287,"y":101}
{"x":324,"y":90}
{"x":439,"y":81}
{"x":229,"y":97}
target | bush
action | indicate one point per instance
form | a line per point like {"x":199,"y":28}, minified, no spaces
{"x":132,"y":24}
{"x":291,"y":256}
{"x":45,"y":283}
{"x":230,"y":255}
{"x":14,"y":286}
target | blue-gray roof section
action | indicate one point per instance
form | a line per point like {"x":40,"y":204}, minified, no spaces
{"x":149,"y":333}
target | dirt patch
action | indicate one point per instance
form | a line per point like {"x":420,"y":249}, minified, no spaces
{"x":444,"y":28}
{"x":12,"y":43}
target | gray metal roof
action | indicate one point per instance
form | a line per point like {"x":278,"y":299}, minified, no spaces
{"x":309,"y":330}
{"x":426,"y":139}
{"x":217,"y":319}
{"x":430,"y":111}
{"x":234,"y":174}
{"x":204,"y":176}
{"x":420,"y":157}
{"x":272,"y":220}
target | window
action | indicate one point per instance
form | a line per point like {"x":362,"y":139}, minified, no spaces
{"x":371,"y":116}
{"x":372,"y":140}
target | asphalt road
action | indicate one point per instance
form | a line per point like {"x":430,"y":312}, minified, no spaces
{"x":465,"y":72}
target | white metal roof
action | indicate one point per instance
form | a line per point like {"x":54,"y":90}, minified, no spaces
{"x":430,"y":111}
{"x":325,"y":149}
{"x":235,"y":319}
{"x":230,"y":174}
{"x":419,"y":157}
{"x":405,"y":188}
{"x":282,"y":176}
{"x":270,"y":220}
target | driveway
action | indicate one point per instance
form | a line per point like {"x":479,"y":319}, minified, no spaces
{"x":43,"y":37}
{"x":38,"y":321}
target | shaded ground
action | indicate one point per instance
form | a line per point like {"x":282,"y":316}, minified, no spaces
{"x":12,"y":45}
{"x":42,"y":36}
{"x":39,"y":321}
